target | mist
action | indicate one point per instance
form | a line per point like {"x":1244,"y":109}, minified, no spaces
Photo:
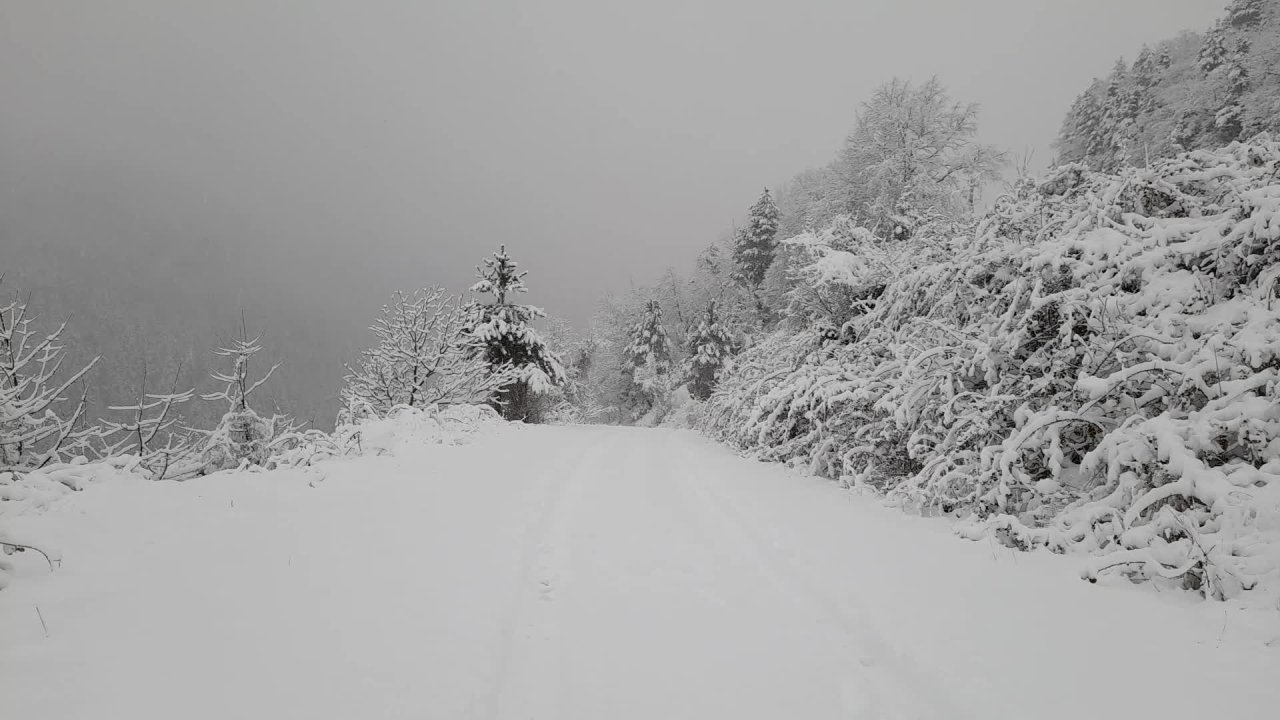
{"x":166,"y":166}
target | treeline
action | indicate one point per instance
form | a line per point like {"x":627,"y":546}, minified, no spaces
{"x":430,"y":349}
{"x":912,"y":164}
{"x":1195,"y":91}
{"x":165,"y":307}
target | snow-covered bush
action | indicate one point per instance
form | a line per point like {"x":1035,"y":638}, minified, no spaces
{"x":406,"y":427}
{"x":150,"y":430}
{"x":38,"y":422}
{"x":424,"y":355}
{"x":1096,"y":366}
{"x":243,"y":437}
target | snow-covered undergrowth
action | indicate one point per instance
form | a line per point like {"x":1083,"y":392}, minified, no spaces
{"x":1094,"y":366}
{"x":404,"y":428}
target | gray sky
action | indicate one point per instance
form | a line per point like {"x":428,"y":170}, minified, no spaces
{"x":351,"y":148}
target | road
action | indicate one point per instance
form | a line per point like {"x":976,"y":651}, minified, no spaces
{"x":583,"y":572}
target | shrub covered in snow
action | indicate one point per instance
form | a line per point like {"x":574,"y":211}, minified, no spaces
{"x":1094,"y":365}
{"x":40,"y":422}
{"x":424,"y":355}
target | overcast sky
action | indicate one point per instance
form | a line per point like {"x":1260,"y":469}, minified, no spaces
{"x":362,"y":146}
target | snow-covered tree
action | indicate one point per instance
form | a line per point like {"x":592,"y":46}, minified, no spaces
{"x":649,"y":342}
{"x":580,"y":398}
{"x":242,"y":436}
{"x":38,"y":420}
{"x":503,"y":334}
{"x":647,"y":360}
{"x":754,"y":244}
{"x":151,"y":430}
{"x":914,"y":150}
{"x":710,"y":347}
{"x":424,"y":355}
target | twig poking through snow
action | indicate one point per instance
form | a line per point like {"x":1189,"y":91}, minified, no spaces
{"x":20,"y":547}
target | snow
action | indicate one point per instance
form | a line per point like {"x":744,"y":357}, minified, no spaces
{"x":502,"y":571}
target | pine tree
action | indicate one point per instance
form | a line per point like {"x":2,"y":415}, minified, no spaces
{"x":754,"y":245}
{"x":242,"y":436}
{"x":1120,"y":110}
{"x":506,"y":339}
{"x":710,"y":346}
{"x":1144,"y":79}
{"x":646,"y":362}
{"x":649,"y":342}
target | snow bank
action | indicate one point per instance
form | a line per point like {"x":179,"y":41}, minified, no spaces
{"x":30,"y":493}
{"x":414,"y":427}
{"x":1094,"y":366}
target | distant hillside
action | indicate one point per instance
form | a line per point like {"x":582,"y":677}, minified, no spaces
{"x":1191,"y":92}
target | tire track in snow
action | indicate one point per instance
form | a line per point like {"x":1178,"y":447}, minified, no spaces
{"x":528,"y":680}
{"x":874,"y":663}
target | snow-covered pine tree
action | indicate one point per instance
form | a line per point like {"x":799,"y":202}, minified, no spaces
{"x":754,"y":244}
{"x":242,"y":436}
{"x":424,"y":356}
{"x":649,"y":342}
{"x":710,"y":346}
{"x":1120,"y":111}
{"x":646,"y":361}
{"x":33,"y":429}
{"x":505,"y":338}
{"x":753,"y":250}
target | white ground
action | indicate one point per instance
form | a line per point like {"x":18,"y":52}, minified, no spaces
{"x":548,"y":572}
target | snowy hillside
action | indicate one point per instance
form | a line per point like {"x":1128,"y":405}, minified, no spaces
{"x":1092,"y":366}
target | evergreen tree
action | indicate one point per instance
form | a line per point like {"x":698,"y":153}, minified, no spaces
{"x":1120,"y":110}
{"x":506,"y":339}
{"x":646,"y":362}
{"x":650,"y":345}
{"x":243,"y":436}
{"x":754,"y":244}
{"x":709,"y":348}
{"x":754,"y":247}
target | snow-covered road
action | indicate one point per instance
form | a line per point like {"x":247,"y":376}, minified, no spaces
{"x":584,"y":572}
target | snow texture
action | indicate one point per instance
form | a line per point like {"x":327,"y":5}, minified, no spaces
{"x":578,"y":572}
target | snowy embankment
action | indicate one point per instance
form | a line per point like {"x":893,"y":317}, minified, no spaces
{"x":23,"y":496}
{"x":579,"y":572}
{"x":1094,"y":367}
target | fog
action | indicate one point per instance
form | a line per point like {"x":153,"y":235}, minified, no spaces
{"x":300,"y":160}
